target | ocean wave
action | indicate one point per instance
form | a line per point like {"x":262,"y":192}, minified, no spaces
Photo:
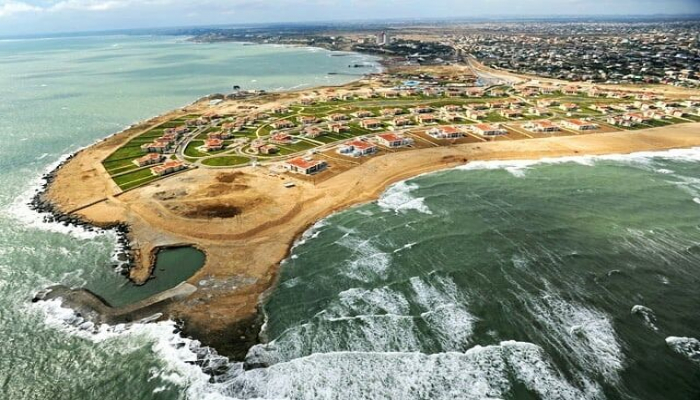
{"x":488,"y":372}
{"x":647,"y":315}
{"x":398,"y":198}
{"x":584,"y":333}
{"x":686,"y":346}
{"x":367,"y":263}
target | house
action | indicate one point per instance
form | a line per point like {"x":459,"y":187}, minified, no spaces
{"x":228,"y":127}
{"x":637,"y":118}
{"x":568,"y":107}
{"x":168,"y":168}
{"x":476,"y":106}
{"x":391,"y":111}
{"x":213,"y":144}
{"x":281,"y":138}
{"x":511,"y":113}
{"x":393,"y":140}
{"x":338,"y":117}
{"x":476,"y":115}
{"x":400,"y":121}
{"x":268,"y":149}
{"x":306,"y":166}
{"x":308,"y":101}
{"x":307,"y":120}
{"x":282,"y":124}
{"x":280,"y":110}
{"x":425,"y":118}
{"x":363,"y":114}
{"x":178,"y":131}
{"x":604,"y":108}
{"x":657,"y":115}
{"x":421,"y":110}
{"x":475,"y":92}
{"x":371,"y":123}
{"x":150,"y":159}
{"x":338,"y":128}
{"x":445,"y":132}
{"x":578,"y":125}
{"x":156,"y":147}
{"x":619,"y":121}
{"x":390,"y":94}
{"x":357,"y":148}
{"x":539,"y":111}
{"x":541,"y":127}
{"x":570,"y":90}
{"x":451,"y":108}
{"x":223,"y":135}
{"x":489,"y":129}
{"x":547,"y":103}
{"x":312,"y":132}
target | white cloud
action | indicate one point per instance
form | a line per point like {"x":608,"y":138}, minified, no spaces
{"x":8,"y":8}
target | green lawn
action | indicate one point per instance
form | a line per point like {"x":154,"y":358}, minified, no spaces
{"x":133,"y":179}
{"x":191,"y":150}
{"x":224,"y":161}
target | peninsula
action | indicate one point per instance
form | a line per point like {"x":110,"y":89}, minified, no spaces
{"x":242,"y":176}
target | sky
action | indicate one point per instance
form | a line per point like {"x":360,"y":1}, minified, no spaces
{"x":23,"y":17}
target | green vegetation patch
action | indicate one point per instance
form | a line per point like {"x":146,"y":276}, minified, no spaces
{"x":225,"y":161}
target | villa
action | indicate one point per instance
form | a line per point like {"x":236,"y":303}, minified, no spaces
{"x":399,"y":121}
{"x":338,"y":117}
{"x":475,"y":115}
{"x":268,"y":149}
{"x":168,"y":168}
{"x":511,"y":113}
{"x":393,"y":140}
{"x":313,"y":132}
{"x":371,"y":123}
{"x":156,"y":147}
{"x":338,"y":128}
{"x":213,"y":144}
{"x":223,"y":135}
{"x":445,"y":132}
{"x":637,"y":118}
{"x":150,"y":159}
{"x":281,"y":138}
{"x":280,"y":110}
{"x":308,"y":101}
{"x":282,"y":124}
{"x":451,"y":108}
{"x":357,"y":148}
{"x":578,"y":125}
{"x":547,"y":103}
{"x":568,"y":107}
{"x":363,"y":114}
{"x":392,"y":111}
{"x":539,"y":111}
{"x":542,"y":127}
{"x":620,"y":121}
{"x":306,"y":166}
{"x":489,"y":129}
{"x":425,"y":118}
{"x":307,"y":120}
{"x":421,"y":110}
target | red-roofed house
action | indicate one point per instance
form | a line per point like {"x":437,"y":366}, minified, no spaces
{"x":150,"y":159}
{"x":578,"y":125}
{"x":541,"y":126}
{"x":371,"y":123}
{"x":306,"y":166}
{"x":357,"y":148}
{"x":445,"y":132}
{"x":489,"y":129}
{"x":393,"y":140}
{"x":213,"y":144}
{"x":281,"y":138}
{"x":168,"y":168}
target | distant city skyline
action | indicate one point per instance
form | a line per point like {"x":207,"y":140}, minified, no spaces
{"x":24,"y":17}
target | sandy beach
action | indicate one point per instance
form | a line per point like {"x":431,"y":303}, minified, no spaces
{"x":244,"y":251}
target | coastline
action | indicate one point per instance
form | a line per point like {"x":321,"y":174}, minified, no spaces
{"x":247,"y":255}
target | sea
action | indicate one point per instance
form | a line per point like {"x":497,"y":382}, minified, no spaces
{"x":572,"y":278}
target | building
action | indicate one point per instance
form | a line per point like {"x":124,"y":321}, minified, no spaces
{"x":399,"y":121}
{"x":393,"y":140}
{"x":445,"y":132}
{"x":425,"y":118}
{"x":357,"y":148}
{"x":619,"y":121}
{"x":489,"y":129}
{"x":338,"y":117}
{"x":338,"y":128}
{"x":306,"y":166}
{"x":510,"y":113}
{"x":568,"y":107}
{"x":578,"y":125}
{"x":307,"y":120}
{"x":281,"y":138}
{"x":421,"y":110}
{"x":383,"y":38}
{"x":156,"y":147}
{"x":282,"y":124}
{"x":371,"y":123}
{"x":150,"y":159}
{"x":542,"y":127}
{"x":168,"y":168}
{"x":213,"y":144}
{"x":313,"y":132}
{"x":539,"y":111}
{"x":391,"y":112}
{"x":363,"y":114}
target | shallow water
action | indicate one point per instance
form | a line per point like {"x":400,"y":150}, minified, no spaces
{"x":56,"y":96}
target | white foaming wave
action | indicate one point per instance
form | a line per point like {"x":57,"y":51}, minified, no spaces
{"x":479,"y":373}
{"x":398,"y":198}
{"x":446,"y":313}
{"x":686,"y":346}
{"x":368,"y":262}
{"x":177,"y":353}
{"x":518,"y":167}
{"x":647,"y":315}
{"x":585,"y":333}
{"x":358,"y":301}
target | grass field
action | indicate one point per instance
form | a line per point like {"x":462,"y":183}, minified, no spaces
{"x":133,"y":179}
{"x":225,"y":161}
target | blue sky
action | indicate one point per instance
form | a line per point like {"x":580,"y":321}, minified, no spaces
{"x":39,"y":16}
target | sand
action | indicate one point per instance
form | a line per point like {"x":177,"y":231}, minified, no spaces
{"x":263,"y":218}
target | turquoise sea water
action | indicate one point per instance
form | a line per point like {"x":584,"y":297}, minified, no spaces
{"x":569,"y":279}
